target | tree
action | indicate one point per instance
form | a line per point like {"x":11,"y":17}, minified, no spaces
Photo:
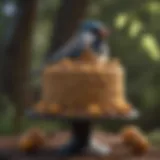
{"x":18,"y":59}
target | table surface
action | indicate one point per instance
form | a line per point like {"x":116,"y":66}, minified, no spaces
{"x":120,"y":152}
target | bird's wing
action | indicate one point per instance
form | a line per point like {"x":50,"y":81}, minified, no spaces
{"x":73,"y":47}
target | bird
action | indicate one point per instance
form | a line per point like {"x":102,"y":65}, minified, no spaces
{"x":90,"y":34}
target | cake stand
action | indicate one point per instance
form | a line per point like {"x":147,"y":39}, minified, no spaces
{"x":81,"y":129}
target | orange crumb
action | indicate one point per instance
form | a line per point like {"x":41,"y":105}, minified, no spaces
{"x":31,"y":140}
{"x":54,"y":108}
{"x":132,"y":137}
{"x":94,"y":110}
{"x":41,"y":107}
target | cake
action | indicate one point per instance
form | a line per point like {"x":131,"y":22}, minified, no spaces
{"x":84,"y":87}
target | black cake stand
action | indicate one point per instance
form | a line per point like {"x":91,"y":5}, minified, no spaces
{"x":81,"y":128}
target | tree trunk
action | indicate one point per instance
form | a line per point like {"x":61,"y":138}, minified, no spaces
{"x":19,"y":54}
{"x":7,"y":27}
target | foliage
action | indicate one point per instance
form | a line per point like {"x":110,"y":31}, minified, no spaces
{"x":135,"y":40}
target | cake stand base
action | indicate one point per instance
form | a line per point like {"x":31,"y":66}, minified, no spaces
{"x":81,"y":129}
{"x":81,"y":141}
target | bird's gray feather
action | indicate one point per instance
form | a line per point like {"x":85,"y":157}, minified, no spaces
{"x":74,"y":46}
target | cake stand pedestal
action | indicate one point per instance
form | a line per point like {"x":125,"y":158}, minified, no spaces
{"x":81,"y":129}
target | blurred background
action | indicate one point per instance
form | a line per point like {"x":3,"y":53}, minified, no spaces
{"x":31,"y":30}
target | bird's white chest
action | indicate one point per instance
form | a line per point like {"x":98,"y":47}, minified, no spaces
{"x":104,"y":53}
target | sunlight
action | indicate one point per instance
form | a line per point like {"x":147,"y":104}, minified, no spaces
{"x":150,"y":45}
{"x":135,"y":28}
{"x":153,"y":7}
{"x":121,"y":20}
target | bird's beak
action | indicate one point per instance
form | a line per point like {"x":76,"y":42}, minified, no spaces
{"x":104,"y":33}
